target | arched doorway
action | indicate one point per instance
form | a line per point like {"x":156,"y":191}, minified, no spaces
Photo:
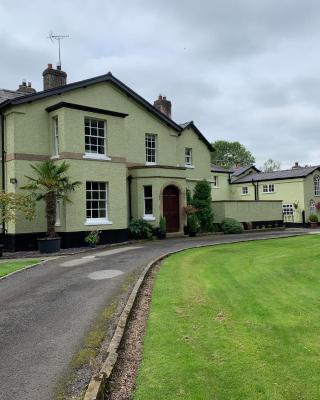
{"x":171,"y":208}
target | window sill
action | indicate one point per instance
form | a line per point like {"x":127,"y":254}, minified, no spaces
{"x":268,"y":192}
{"x":215,"y":187}
{"x":92,"y":156}
{"x":150,"y":163}
{"x":189,"y":166}
{"x":98,"y":221}
{"x":244,"y":194}
{"x":149,"y":217}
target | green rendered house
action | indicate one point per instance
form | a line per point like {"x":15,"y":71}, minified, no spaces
{"x":133,"y":160}
{"x":297,"y":188}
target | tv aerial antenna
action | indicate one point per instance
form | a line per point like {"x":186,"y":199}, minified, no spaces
{"x":53,"y":37}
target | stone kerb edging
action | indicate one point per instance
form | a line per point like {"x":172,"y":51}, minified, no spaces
{"x":97,"y":386}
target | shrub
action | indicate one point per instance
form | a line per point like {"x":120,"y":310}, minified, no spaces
{"x":93,"y":238}
{"x":202,"y":202}
{"x":162,"y":224}
{"x":193,"y":223}
{"x":140,"y":229}
{"x":313,"y":218}
{"x":231,"y":225}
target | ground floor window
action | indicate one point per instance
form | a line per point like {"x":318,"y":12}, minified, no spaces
{"x":148,"y":202}
{"x":215,"y":181}
{"x":312,"y":207}
{"x":287,"y":209}
{"x":96,"y":201}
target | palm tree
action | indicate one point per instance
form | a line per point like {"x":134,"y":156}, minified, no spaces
{"x":51,"y":184}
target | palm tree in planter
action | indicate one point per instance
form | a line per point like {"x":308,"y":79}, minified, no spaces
{"x":51,"y":183}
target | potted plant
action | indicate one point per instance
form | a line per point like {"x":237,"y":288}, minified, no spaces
{"x":93,"y":238}
{"x":162,"y":232}
{"x":313,"y":221}
{"x":249,"y":226}
{"x":11,"y":204}
{"x":51,"y":183}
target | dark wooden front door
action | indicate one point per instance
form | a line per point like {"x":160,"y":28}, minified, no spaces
{"x":171,"y":208}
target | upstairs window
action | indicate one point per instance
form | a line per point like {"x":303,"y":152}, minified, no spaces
{"x":244,"y":190}
{"x":316,"y":181}
{"x":268,"y":188}
{"x":188,"y":156}
{"x":215,"y":181}
{"x":151,"y":148}
{"x":96,"y":201}
{"x":287,"y":209}
{"x":148,"y":202}
{"x":95,"y":137}
{"x":55,"y":137}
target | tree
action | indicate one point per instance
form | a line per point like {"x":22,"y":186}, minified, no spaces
{"x":230,"y":154}
{"x":12,"y":204}
{"x":271,"y":165}
{"x":202,"y":202}
{"x":51,"y":184}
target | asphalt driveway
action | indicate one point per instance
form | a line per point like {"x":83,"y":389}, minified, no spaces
{"x":46,"y":311}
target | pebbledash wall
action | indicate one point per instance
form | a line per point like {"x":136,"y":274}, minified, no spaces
{"x":28,"y":140}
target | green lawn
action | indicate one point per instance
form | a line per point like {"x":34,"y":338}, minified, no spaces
{"x":7,"y":267}
{"x":238,"y":321}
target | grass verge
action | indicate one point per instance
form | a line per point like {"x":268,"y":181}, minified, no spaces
{"x":238,"y":321}
{"x":7,"y":267}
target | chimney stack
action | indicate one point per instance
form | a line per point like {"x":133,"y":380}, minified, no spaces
{"x":296,"y":165}
{"x":53,"y":78}
{"x":163,"y":105}
{"x":23,"y":88}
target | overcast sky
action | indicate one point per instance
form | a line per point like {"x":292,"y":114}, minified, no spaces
{"x":246,"y":70}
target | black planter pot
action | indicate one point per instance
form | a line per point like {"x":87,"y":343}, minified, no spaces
{"x":192,"y":234}
{"x":49,"y":245}
{"x":161,"y":235}
{"x":1,"y":250}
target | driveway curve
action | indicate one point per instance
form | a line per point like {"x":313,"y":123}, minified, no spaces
{"x":46,"y":311}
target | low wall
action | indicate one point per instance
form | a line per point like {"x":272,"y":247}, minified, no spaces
{"x":263,"y":211}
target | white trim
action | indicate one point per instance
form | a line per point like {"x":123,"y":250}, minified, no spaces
{"x":189,"y":166}
{"x":95,"y":156}
{"x":55,"y":157}
{"x":97,"y":221}
{"x":149,"y":217}
{"x":150,"y":163}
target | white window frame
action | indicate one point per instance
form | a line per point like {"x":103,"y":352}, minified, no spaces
{"x":55,"y":137}
{"x":288,"y":209}
{"x":188,"y":157}
{"x":268,"y":188}
{"x":99,"y":220}
{"x":151,"y":152}
{"x":244,"y":191}
{"x":147,"y":217}
{"x":316,"y":183}
{"x":215,"y":181}
{"x":312,"y":207}
{"x":88,"y":152}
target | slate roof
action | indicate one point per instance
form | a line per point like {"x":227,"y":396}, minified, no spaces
{"x":277,"y":175}
{"x":236,"y":171}
{"x":217,"y":168}
{"x":6,"y":94}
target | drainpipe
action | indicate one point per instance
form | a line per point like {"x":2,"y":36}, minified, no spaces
{"x":130,"y":198}
{"x":3,"y":155}
{"x":256,"y":190}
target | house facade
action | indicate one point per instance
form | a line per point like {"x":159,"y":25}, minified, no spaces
{"x":297,"y":188}
{"x":133,"y":160}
